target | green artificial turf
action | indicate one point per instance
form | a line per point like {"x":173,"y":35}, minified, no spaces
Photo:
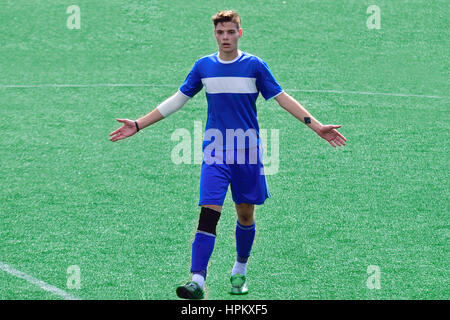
{"x":126,"y":214}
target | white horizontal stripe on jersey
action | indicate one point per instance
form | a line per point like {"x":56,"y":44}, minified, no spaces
{"x":230,"y":85}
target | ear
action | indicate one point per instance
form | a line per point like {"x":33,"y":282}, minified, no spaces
{"x":240,"y":32}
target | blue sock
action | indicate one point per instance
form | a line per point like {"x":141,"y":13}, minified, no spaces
{"x":244,"y":241}
{"x":202,"y":248}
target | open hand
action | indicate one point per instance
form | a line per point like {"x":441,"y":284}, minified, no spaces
{"x":329,"y":133}
{"x":126,"y":130}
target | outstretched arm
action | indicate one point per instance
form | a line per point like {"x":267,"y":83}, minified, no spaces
{"x":327,"y":132}
{"x":166,"y":108}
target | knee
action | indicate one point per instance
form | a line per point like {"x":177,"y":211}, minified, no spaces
{"x":246,"y":220}
{"x":245,"y":213}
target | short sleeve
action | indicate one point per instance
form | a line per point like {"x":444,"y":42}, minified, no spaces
{"x":265,"y":81}
{"x":193,"y":82}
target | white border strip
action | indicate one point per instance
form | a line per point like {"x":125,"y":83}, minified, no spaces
{"x":43,"y":285}
{"x":131,"y":85}
{"x":229,"y":85}
{"x":94,"y":85}
{"x":372,"y":93}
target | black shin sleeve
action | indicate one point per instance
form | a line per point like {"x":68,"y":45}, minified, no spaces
{"x":208,"y":220}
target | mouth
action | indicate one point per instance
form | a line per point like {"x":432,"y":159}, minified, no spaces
{"x":226,"y":44}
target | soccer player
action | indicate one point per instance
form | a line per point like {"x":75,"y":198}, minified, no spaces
{"x":233,"y":80}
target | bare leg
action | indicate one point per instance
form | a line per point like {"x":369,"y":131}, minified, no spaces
{"x":245,"y":213}
{"x":213,"y":206}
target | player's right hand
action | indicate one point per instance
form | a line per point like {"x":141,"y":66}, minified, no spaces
{"x":126,"y":130}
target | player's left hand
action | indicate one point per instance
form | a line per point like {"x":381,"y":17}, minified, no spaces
{"x":334,"y":137}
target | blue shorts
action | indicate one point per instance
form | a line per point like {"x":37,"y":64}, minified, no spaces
{"x":242,"y":169}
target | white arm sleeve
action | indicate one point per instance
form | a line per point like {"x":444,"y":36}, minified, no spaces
{"x":173,"y":104}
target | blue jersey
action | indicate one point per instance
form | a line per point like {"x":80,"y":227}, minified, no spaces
{"x":232,"y":88}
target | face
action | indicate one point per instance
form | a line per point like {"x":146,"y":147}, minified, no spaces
{"x":227,"y":35}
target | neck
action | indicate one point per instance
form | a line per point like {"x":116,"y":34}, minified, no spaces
{"x":228,"y":56}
